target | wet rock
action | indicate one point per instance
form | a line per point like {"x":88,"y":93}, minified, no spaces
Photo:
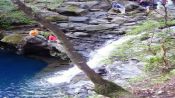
{"x":68,"y":26}
{"x":97,"y":27}
{"x":8,"y":47}
{"x":81,"y":89}
{"x":81,"y":34}
{"x":71,"y":10}
{"x":64,"y":25}
{"x":115,"y":32}
{"x":71,"y":35}
{"x":118,"y":20}
{"x":35,"y":45}
{"x":102,"y":71}
{"x":123,"y":70}
{"x":130,"y":24}
{"x":2,"y":34}
{"x":99,"y":21}
{"x":107,"y":36}
{"x":78,"y":19}
{"x":52,"y":16}
{"x":97,"y":15}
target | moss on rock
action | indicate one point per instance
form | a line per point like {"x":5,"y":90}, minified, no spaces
{"x":13,"y":39}
{"x":57,"y":18}
{"x":9,"y":15}
{"x":110,"y":89}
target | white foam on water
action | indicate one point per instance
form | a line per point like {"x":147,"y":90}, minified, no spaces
{"x":94,"y":61}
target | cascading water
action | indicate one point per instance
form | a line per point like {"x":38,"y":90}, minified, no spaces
{"x":94,"y":61}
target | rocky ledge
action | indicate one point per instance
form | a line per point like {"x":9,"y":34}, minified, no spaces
{"x":38,"y":47}
{"x":87,"y":24}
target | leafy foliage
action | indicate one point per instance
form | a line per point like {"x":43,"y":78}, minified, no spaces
{"x":9,"y":15}
{"x":149,"y":25}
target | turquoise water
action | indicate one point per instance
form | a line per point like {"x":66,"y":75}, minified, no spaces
{"x":17,"y":74}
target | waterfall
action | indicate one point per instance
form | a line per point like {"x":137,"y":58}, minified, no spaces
{"x":94,"y":61}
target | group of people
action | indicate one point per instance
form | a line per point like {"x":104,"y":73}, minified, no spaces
{"x":35,"y":33}
{"x":146,"y":4}
{"x":155,"y":2}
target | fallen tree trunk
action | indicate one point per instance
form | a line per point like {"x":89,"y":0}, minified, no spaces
{"x":101,"y":86}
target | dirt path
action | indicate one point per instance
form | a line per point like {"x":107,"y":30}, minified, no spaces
{"x":165,"y":90}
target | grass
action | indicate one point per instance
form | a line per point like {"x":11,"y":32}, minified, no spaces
{"x":138,"y":47}
{"x":9,"y":15}
{"x":149,"y":80}
{"x":38,"y":4}
{"x":148,"y":26}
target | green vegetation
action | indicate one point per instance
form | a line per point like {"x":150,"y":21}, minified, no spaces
{"x":110,"y":89}
{"x":13,"y":38}
{"x":149,"y":25}
{"x":9,"y":15}
{"x":146,"y":26}
{"x":153,"y":79}
{"x":164,"y":77}
{"x":39,"y":4}
{"x":154,"y":48}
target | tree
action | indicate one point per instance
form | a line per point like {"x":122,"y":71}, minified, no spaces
{"x":102,"y":86}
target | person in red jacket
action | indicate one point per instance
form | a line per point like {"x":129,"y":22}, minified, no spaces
{"x":52,"y":38}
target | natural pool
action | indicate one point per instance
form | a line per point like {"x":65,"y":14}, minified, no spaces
{"x":19,"y":77}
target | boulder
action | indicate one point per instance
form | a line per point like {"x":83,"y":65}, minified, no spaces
{"x":36,"y":46}
{"x":99,"y":21}
{"x":2,"y":34}
{"x":53,"y":16}
{"x":130,"y":6}
{"x":79,"y":19}
{"x":77,"y":34}
{"x":118,"y":20}
{"x":81,"y":34}
{"x":71,"y":10}
{"x":40,"y":46}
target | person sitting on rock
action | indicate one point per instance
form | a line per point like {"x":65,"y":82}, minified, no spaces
{"x":116,"y":6}
{"x":34,"y":33}
{"x":52,"y":38}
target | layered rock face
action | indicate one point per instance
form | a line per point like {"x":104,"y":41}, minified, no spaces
{"x":88,"y":24}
